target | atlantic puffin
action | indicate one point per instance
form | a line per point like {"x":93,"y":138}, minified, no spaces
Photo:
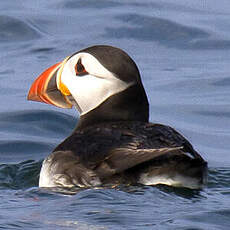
{"x":113,"y":143}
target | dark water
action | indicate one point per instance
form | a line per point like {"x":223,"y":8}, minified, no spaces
{"x":182,"y":49}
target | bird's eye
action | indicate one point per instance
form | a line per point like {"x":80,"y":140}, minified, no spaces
{"x":80,"y":69}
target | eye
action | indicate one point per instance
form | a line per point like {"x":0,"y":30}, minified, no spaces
{"x":80,"y":69}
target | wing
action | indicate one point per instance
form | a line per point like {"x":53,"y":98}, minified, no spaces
{"x":121,"y":159}
{"x":111,"y":149}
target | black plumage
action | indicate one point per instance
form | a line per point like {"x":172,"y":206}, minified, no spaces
{"x":114,"y":142}
{"x":119,"y":152}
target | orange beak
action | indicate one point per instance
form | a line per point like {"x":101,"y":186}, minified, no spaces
{"x":45,"y":88}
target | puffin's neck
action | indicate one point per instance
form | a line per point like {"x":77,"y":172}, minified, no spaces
{"x":128,"y":105}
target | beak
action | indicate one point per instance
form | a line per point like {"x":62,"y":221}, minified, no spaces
{"x":49,"y":89}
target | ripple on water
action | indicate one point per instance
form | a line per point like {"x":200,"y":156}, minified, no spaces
{"x":222,"y":82}
{"x":42,"y":123}
{"x":16,"y":151}
{"x":145,"y":207}
{"x":13,"y":29}
{"x":32,"y":134}
{"x":219,"y":178}
{"x":90,"y":4}
{"x":19,"y":176}
{"x":164,"y":31}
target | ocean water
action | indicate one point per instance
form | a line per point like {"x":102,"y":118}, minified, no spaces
{"x":182,"y":49}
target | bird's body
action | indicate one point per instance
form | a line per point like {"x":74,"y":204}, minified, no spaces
{"x":113,"y":143}
{"x":123,"y":152}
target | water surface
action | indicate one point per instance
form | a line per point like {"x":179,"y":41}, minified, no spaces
{"x":182,"y":49}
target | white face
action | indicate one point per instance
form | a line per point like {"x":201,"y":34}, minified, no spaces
{"x":92,"y":88}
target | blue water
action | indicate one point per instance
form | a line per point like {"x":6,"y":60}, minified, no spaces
{"x":182,"y":48}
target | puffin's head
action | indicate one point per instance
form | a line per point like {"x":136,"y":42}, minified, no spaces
{"x":86,"y":79}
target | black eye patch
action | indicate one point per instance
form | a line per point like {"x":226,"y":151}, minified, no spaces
{"x":80,"y":69}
